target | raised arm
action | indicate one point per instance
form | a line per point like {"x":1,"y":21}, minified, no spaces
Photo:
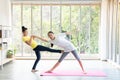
{"x":40,"y":38}
{"x":67,"y":33}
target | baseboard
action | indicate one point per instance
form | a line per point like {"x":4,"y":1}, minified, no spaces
{"x":7,"y":60}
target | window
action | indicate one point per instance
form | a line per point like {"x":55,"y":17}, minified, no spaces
{"x":82,"y":21}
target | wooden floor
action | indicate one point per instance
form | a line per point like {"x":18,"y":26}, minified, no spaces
{"x":21,"y":70}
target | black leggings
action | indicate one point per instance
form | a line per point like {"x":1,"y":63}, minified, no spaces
{"x":42,"y":48}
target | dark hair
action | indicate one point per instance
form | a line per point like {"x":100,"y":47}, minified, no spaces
{"x":24,"y":28}
{"x":50,"y":32}
{"x":52,"y":45}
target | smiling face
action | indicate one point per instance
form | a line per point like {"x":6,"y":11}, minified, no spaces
{"x":51,"y":36}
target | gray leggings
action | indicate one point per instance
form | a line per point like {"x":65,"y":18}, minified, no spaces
{"x":74,"y":52}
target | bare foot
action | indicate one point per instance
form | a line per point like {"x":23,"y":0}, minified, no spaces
{"x":84,"y":72}
{"x":48,"y":71}
{"x":34,"y":70}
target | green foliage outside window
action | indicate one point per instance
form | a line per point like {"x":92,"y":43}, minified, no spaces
{"x":82,"y":21}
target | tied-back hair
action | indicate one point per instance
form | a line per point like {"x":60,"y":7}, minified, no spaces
{"x":24,"y":28}
{"x":52,"y":45}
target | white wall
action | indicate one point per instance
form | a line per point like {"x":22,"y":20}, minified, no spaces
{"x":5,"y":12}
{"x":5,"y":17}
{"x":103,"y":31}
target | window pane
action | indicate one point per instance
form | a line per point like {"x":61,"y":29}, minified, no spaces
{"x":56,"y":19}
{"x":94,"y":28}
{"x":36,"y":21}
{"x":65,"y":18}
{"x":75,"y":24}
{"x":45,"y":20}
{"x":17,"y":29}
{"x":84,"y":29}
{"x":27,"y":23}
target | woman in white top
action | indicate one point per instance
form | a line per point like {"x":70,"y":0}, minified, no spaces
{"x":68,"y":47}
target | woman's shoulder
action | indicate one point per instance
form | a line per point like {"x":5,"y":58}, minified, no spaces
{"x":25,"y":37}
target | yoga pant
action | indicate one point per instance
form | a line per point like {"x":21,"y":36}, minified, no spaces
{"x":38,"y":55}
{"x":74,"y":52}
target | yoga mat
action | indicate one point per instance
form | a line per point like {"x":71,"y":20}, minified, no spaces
{"x":75,"y":73}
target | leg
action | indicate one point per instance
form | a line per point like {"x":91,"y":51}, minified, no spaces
{"x":78,"y":59}
{"x":43,"y":48}
{"x":59,"y":61}
{"x":36,"y":61}
{"x":56,"y":65}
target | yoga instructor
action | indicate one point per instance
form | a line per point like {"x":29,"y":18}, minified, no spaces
{"x":68,"y":47}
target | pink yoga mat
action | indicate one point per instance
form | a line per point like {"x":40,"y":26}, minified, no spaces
{"x":75,"y":73}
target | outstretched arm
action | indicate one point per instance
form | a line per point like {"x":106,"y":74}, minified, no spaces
{"x":40,"y":38}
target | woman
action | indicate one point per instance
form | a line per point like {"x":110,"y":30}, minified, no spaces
{"x":68,"y":47}
{"x":37,"y":48}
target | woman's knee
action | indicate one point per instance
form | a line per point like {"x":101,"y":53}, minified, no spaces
{"x":59,"y":61}
{"x":38,"y":58}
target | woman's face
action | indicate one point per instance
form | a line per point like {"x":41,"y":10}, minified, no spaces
{"x":51,"y":36}
{"x":25,"y":33}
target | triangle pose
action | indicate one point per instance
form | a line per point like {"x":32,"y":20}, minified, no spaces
{"x":68,"y":47}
